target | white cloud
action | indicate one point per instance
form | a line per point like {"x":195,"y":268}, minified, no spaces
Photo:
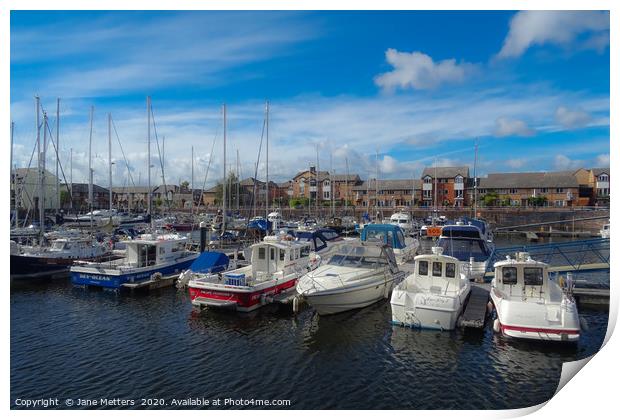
{"x":563,"y":162}
{"x":602,"y":160}
{"x":516,"y":163}
{"x":528,"y":28}
{"x":571,"y":118}
{"x":417,"y":70}
{"x":512,"y":127}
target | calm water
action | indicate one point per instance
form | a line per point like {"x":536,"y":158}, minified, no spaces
{"x":75,"y":343}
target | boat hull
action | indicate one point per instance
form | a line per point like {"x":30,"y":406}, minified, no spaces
{"x":341,"y":300}
{"x":531,"y":321}
{"x":426,"y":310}
{"x":242,"y":299}
{"x":25,"y":267}
{"x":103,"y":278}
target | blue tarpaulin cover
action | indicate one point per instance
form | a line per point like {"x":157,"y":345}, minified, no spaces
{"x":209,"y":262}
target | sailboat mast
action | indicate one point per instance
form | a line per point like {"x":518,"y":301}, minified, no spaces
{"x":57,"y":151}
{"x":224,"y":171}
{"x":238,"y":179}
{"x":192,"y":186}
{"x":475,"y":180}
{"x":267,"y":159}
{"x":318,"y":181}
{"x":331,"y":182}
{"x":346,"y":199}
{"x":71,"y":178}
{"x":42,"y":200}
{"x":148,"y":153}
{"x":377,"y":182}
{"x":110,"y":160}
{"x":39,"y":172}
{"x":12,"y":179}
{"x":435,"y":195}
{"x":90,"y":168}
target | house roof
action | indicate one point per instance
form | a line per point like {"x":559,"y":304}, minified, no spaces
{"x":83,"y":188}
{"x":345,"y":178}
{"x":389,"y":184}
{"x":564,"y":179}
{"x":598,"y":171}
{"x":322,"y":174}
{"x":446,"y":171}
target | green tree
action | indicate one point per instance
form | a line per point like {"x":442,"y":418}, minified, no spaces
{"x":490,"y":199}
{"x":231,"y":189}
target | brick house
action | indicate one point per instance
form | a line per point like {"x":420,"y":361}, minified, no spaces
{"x":452,"y":182}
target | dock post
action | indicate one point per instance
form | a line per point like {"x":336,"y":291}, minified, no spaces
{"x":203,"y":236}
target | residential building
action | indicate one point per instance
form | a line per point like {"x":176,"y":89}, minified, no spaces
{"x":446,"y":185}
{"x":602,"y":186}
{"x":26,"y":184}
{"x":387,"y":193}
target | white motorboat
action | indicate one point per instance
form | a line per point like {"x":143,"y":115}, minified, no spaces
{"x":604,"y":232}
{"x":276,"y":264}
{"x":529,"y":305}
{"x":433,"y":296}
{"x":404,"y":247}
{"x":403,"y":220}
{"x":354,"y":275}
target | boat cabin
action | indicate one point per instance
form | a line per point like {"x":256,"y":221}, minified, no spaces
{"x":320,"y":239}
{"x":274,"y":254}
{"x":523,"y":278}
{"x":391,"y":235}
{"x":72,"y":248}
{"x":155,"y":250}
{"x":400,"y":218}
{"x":437,"y":273}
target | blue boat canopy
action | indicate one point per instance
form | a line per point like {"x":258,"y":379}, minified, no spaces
{"x":210,"y":262}
{"x":260,"y":224}
{"x":475,"y":222}
{"x":391,"y":235}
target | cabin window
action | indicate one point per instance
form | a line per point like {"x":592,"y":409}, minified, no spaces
{"x":450,"y":270}
{"x":401,"y":237}
{"x":423,"y":268}
{"x":509,"y":275}
{"x":319,"y":244}
{"x":305,"y":251}
{"x":162,"y":251}
{"x":272,"y":254}
{"x":261,"y":253}
{"x":533,"y":276}
{"x":282,"y":253}
{"x":437,"y":269}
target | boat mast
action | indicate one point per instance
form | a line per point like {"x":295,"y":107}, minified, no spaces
{"x":71,"y":178}
{"x":435,"y":195}
{"x":90,"y":168}
{"x":110,"y":160}
{"x":346,"y":199}
{"x":42,"y":200}
{"x":148,"y":154}
{"x":376,"y":182}
{"x":238,"y":179}
{"x":39,"y":174}
{"x":192,"y":186}
{"x":318,"y":181}
{"x":475,"y":180}
{"x":267,"y":159}
{"x":224,"y":181}
{"x":331,"y":182}
{"x":57,"y":151}
{"x":12,"y":178}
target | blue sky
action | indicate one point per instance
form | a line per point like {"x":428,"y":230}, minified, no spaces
{"x":416,"y":87}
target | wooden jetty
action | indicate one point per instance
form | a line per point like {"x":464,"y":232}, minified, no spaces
{"x":475,"y":313}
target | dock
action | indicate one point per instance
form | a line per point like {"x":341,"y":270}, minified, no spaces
{"x":475,"y":313}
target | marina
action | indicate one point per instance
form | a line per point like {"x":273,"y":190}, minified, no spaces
{"x":307,"y":210}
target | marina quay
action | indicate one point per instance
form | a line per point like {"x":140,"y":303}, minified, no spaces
{"x":310,"y":210}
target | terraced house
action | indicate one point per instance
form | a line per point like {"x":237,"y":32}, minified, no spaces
{"x":451,"y":185}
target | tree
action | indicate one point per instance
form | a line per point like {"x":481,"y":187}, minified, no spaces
{"x":184,"y":185}
{"x":231,"y":189}
{"x":490,"y":198}
{"x":537,"y":201}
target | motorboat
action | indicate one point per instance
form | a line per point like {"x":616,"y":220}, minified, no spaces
{"x":40,"y":261}
{"x":208,"y":262}
{"x":354,"y":275}
{"x":341,"y":224}
{"x":146,"y":256}
{"x":275,"y":219}
{"x":404,"y":221}
{"x":276,"y":265}
{"x":529,"y":305}
{"x":485,"y":231}
{"x":467,"y":244}
{"x":404,"y":247}
{"x":604,"y":232}
{"x":433,"y":296}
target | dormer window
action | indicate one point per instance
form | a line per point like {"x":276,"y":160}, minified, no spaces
{"x":428,"y":179}
{"x":458,"y":179}
{"x":603,"y":177}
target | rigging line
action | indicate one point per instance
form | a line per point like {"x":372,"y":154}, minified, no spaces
{"x":30,"y":200}
{"x":204,"y":182}
{"x":161,"y":162}
{"x":123,"y":153}
{"x":260,"y":146}
{"x":59,"y":163}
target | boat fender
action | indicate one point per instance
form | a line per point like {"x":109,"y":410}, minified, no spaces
{"x":496,"y":325}
{"x":295,"y":304}
{"x":156,"y":276}
{"x":489,"y":307}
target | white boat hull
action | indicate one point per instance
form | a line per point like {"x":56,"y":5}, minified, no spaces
{"x":533,"y":320}
{"x":426,"y":310}
{"x":340,"y":300}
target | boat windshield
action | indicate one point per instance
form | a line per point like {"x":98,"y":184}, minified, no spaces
{"x":60,"y":245}
{"x":358,"y":257}
{"x":464,"y":249}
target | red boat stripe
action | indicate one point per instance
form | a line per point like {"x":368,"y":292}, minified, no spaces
{"x":243,"y":299}
{"x":539,"y":330}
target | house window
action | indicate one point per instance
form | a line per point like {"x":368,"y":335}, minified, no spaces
{"x":458,"y":193}
{"x":428,"y":179}
{"x":513,"y":191}
{"x":559,"y":203}
{"x":326,"y":195}
{"x":603,"y":177}
{"x":559,"y":190}
{"x":543,"y":190}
